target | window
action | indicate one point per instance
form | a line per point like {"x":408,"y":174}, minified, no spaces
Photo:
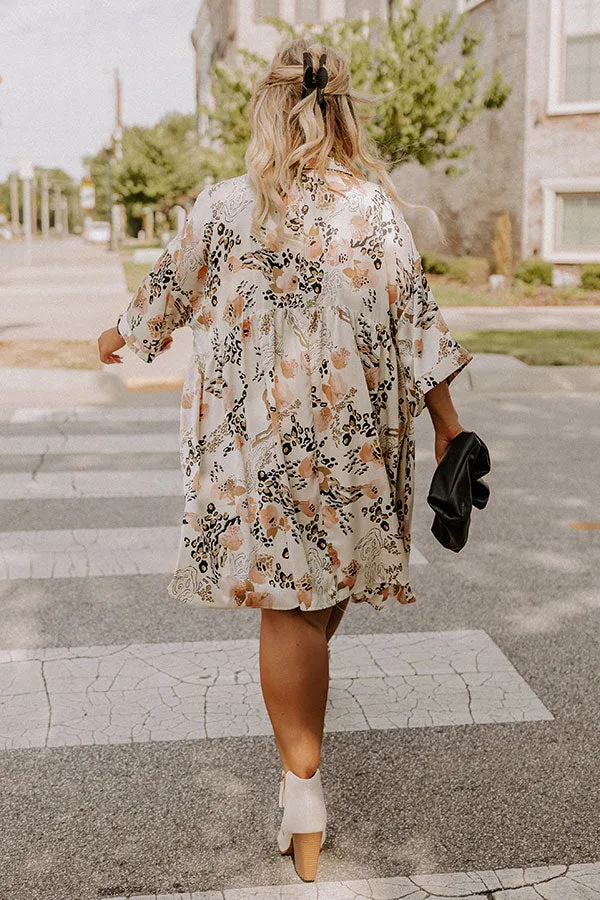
{"x":574,"y":77}
{"x":579,"y":220}
{"x":266,"y":8}
{"x":308,"y":11}
{"x":582,"y":50}
{"x":572,"y":220}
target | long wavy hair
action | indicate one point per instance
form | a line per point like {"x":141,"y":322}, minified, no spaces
{"x":290,"y":133}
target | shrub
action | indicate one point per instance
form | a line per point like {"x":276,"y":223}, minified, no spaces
{"x":533,"y":271}
{"x":434,"y":265}
{"x":503,"y":257}
{"x":469,"y":269}
{"x":590,"y":277}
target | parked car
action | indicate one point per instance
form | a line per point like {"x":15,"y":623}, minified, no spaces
{"x":97,"y":232}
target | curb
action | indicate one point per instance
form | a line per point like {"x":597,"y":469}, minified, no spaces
{"x":147,"y":385}
{"x":490,"y":372}
{"x":487,"y":373}
{"x":522,"y":318}
{"x":59,"y":387}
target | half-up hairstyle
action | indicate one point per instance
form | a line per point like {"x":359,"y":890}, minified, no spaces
{"x":290,"y":131}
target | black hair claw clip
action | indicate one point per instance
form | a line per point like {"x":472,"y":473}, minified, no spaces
{"x":315,"y":80}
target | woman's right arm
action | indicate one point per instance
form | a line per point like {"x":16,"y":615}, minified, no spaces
{"x":443,"y":416}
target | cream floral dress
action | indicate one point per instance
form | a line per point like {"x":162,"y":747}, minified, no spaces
{"x":311,"y":361}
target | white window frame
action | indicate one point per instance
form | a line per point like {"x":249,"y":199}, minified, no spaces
{"x":260,"y":20}
{"x":551,"y":187}
{"x":319,"y":19}
{"x":556,"y":49}
{"x":468,"y":5}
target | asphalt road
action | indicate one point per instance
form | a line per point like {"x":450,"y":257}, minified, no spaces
{"x":144,"y":817}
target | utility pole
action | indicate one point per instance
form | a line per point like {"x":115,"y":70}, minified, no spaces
{"x":65,"y":216}
{"x":27,"y":174}
{"x":118,"y":132}
{"x":114,"y":152}
{"x":34,"y":204}
{"x":14,"y":204}
{"x":57,"y":209}
{"x":45,"y":206}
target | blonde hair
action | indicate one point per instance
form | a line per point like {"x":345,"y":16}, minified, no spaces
{"x":291,"y":133}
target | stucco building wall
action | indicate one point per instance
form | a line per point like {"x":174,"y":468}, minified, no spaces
{"x":468,"y":205}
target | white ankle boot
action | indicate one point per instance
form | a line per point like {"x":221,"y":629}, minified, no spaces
{"x":304,"y":825}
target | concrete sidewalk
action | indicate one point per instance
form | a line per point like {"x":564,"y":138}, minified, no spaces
{"x":491,"y":372}
{"x":518,"y":318}
{"x":73,"y":291}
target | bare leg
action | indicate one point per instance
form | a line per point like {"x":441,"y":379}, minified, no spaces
{"x":294,"y":676}
{"x":335,"y":618}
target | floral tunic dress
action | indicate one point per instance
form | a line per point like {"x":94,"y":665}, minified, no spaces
{"x":311,"y":361}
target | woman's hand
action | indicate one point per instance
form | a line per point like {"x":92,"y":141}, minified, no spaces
{"x":443,"y":416}
{"x":108,"y":343}
{"x":443,"y":435}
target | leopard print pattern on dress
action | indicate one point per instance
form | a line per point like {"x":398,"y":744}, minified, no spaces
{"x":312,"y":358}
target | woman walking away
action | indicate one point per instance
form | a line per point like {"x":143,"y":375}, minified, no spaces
{"x":317,"y":342}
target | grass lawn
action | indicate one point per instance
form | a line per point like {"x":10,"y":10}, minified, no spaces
{"x":446,"y":292}
{"x":542,"y":348}
{"x":50,"y":354}
{"x":537,"y":348}
{"x":451,"y":293}
{"x":135,"y":273}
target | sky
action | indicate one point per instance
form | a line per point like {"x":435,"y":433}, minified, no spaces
{"x":57,"y":59}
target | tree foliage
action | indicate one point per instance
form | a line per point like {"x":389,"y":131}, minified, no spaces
{"x":161,"y":166}
{"x":425,"y":74}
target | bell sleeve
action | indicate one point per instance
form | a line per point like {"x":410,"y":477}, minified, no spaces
{"x":170,"y":294}
{"x":428,"y":351}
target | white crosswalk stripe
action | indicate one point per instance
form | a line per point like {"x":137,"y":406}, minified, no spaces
{"x":91,"y":484}
{"x":210,"y":689}
{"x":157,"y":442}
{"x":576,"y":882}
{"x":93,"y":552}
{"x":88,"y":552}
{"x":101,"y":414}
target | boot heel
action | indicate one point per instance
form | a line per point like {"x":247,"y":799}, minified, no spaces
{"x":306,"y":849}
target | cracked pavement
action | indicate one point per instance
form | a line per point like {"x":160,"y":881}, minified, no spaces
{"x":579,"y":882}
{"x":462,"y":732}
{"x":189,"y":691}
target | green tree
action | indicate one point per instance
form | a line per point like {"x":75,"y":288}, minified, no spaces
{"x":425,"y":73}
{"x":97,"y":165}
{"x":161,"y":166}
{"x":5,"y":198}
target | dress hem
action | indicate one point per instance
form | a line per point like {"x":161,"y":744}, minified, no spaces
{"x":403,"y":593}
